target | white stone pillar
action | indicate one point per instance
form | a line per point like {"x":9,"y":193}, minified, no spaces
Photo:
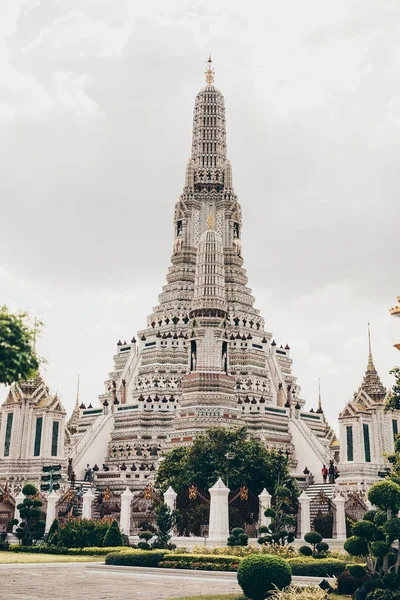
{"x":87,"y":500}
{"x":18,"y":500}
{"x":305,"y":523}
{"x":218,"y":528}
{"x":169,"y":498}
{"x":125,"y":517}
{"x":265,"y":502}
{"x":52,"y":500}
{"x":339,"y":503}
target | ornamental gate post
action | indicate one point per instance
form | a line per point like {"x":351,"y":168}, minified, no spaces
{"x":265,"y":502}
{"x":52,"y":500}
{"x":218,"y":528}
{"x":125,"y":516}
{"x":305,"y":523}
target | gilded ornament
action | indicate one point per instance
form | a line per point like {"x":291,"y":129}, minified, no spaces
{"x":244,"y":492}
{"x":192,"y":492}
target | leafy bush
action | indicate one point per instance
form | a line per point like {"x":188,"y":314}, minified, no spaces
{"x":113,"y":536}
{"x":47,"y":549}
{"x":201,"y":562}
{"x":380,"y":594}
{"x":136,"y":558}
{"x":4,"y":545}
{"x":146,"y":535}
{"x":305,"y":550}
{"x":357,"y":571}
{"x":356,"y":546}
{"x":391,"y":581}
{"x":264,"y":539}
{"x":259,"y":574}
{"x":373,"y":583}
{"x":144,"y":546}
{"x":81,"y":533}
{"x":347,"y":584}
{"x":322,"y":547}
{"x":293,"y":592}
{"x":325,"y":567}
{"x":238,"y":537}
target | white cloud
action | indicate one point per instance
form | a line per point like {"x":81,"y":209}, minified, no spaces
{"x":69,"y":91}
{"x":75,"y":36}
{"x":20,"y":94}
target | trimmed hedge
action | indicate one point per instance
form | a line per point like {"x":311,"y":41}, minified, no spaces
{"x":203,"y":562}
{"x":136,"y":558}
{"x":92,"y":551}
{"x":323,"y":567}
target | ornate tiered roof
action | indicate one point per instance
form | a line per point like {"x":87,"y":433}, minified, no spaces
{"x":371,"y":383}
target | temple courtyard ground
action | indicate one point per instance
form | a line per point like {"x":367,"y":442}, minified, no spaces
{"x":72,"y":581}
{"x":48,"y":579}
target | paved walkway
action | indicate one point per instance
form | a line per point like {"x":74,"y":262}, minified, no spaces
{"x":77,"y":581}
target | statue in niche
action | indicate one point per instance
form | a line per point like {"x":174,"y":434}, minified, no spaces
{"x":237,"y":246}
{"x":193,"y":367}
{"x":178,"y":244}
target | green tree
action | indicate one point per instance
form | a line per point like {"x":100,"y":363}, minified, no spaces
{"x":31,"y":527}
{"x":374,"y":535}
{"x":204,"y":462}
{"x":282,"y":527}
{"x":113,"y":536}
{"x":18,"y":359}
{"x":166,"y":519}
{"x":393,"y":402}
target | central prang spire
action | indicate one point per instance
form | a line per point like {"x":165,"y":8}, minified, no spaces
{"x":209,"y":133}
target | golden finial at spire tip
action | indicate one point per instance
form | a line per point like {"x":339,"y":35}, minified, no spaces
{"x":209,"y":72}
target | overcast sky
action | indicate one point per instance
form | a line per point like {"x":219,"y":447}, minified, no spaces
{"x":96,"y":100}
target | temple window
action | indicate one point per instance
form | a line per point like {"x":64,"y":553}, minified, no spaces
{"x":38,"y":436}
{"x":7,"y":441}
{"x":54,"y":438}
{"x":349,"y":440}
{"x":395,"y":428}
{"x":367,"y":445}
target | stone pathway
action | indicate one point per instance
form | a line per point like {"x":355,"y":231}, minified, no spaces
{"x":79,"y":581}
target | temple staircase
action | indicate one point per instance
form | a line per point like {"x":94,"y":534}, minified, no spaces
{"x":321,"y":495}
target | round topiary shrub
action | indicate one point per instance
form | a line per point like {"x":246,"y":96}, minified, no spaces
{"x":313,"y":537}
{"x":357,"y":571}
{"x":243,"y":539}
{"x":322,"y":547}
{"x":146,"y":535}
{"x":364,"y":529}
{"x":373,"y":583}
{"x":369,"y":515}
{"x":237,"y":531}
{"x":385,"y":494}
{"x":356,"y":546}
{"x":144,"y":546}
{"x":305,"y":550}
{"x":263,"y":529}
{"x":264,"y":539}
{"x":391,"y":581}
{"x":259,"y":573}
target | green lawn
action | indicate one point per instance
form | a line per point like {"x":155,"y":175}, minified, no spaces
{"x":10,"y":558}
